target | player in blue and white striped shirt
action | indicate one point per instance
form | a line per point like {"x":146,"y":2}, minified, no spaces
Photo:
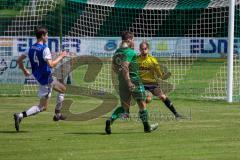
{"x":42,"y":63}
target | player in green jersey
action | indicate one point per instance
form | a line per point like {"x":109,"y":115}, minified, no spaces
{"x":124,"y":63}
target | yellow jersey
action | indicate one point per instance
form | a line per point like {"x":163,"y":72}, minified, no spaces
{"x":149,"y":69}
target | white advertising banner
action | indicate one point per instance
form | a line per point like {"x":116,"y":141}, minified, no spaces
{"x":106,"y":46}
{"x":12,"y":47}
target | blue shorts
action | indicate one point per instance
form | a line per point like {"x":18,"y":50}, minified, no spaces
{"x":150,"y":87}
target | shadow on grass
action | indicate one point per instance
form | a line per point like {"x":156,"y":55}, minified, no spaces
{"x":100,"y":133}
{"x":13,"y":132}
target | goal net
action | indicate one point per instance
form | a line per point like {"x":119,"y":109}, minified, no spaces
{"x":188,"y":37}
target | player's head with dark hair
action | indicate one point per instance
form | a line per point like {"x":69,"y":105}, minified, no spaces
{"x":127,"y":38}
{"x":41,"y":33}
{"x":144,"y":48}
{"x":126,"y":35}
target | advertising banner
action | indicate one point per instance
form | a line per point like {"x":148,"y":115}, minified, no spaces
{"x":12,"y":47}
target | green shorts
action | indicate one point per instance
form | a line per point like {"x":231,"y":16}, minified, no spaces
{"x":138,"y":93}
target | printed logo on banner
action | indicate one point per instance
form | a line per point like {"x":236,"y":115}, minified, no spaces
{"x":111,"y":45}
{"x":3,"y":66}
{"x":211,"y":46}
{"x":208,"y":46}
{"x":71,"y":44}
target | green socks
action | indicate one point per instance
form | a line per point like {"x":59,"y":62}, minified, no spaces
{"x":144,"y":117}
{"x":116,"y":114}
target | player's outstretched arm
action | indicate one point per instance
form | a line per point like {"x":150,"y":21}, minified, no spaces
{"x":159,"y":70}
{"x":21,"y":66}
{"x":53,"y":63}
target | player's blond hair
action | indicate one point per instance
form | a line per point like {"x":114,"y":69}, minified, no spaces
{"x":144,"y":42}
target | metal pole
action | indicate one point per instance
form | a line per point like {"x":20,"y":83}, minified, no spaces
{"x":61,"y":35}
{"x":230,"y":51}
{"x":33,"y":7}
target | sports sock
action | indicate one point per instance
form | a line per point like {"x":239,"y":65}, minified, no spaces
{"x":170,"y":106}
{"x":144,"y":117}
{"x":59,"y":101}
{"x":116,"y":114}
{"x":31,"y":111}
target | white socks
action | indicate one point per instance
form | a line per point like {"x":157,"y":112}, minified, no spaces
{"x":59,"y":101}
{"x":36,"y":109}
{"x":31,"y":111}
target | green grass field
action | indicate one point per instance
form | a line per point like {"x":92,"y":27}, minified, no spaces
{"x":212,"y":133}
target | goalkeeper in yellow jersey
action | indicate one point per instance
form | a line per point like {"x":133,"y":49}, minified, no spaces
{"x":150,"y":73}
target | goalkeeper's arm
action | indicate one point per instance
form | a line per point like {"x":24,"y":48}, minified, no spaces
{"x":159,"y":72}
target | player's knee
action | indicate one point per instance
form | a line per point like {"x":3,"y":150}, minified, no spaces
{"x":163,"y":97}
{"x":148,"y":99}
{"x":149,"y":96}
{"x":60,"y":97}
{"x":141,"y":104}
{"x":63,"y":89}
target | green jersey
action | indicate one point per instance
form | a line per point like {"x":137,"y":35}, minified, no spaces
{"x":126,"y":55}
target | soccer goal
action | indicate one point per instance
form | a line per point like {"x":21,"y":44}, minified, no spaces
{"x":189,"y":38}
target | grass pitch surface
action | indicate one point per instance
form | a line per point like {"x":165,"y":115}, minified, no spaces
{"x":211,"y":133}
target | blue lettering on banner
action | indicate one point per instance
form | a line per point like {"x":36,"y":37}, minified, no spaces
{"x":22,"y":44}
{"x":211,"y":49}
{"x":69,"y":44}
{"x":194,"y":47}
{"x":76,"y":44}
{"x":30,"y":43}
{"x":13,"y":64}
{"x":211,"y":46}
{"x":53,"y":44}
{"x":101,"y":54}
{"x":222,"y":46}
{"x":237,"y":46}
{"x":28,"y":65}
{"x":65,"y":47}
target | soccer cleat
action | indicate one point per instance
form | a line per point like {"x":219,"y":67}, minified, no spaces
{"x":17,"y":120}
{"x":58,"y":117}
{"x":149,"y":128}
{"x":179,"y":116}
{"x":108,"y":127}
